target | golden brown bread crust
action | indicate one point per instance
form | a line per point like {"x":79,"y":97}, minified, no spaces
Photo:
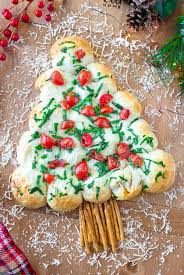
{"x":20,"y":187}
{"x":42,"y":78}
{"x":80,"y":43}
{"x":164,"y":181}
{"x":104,"y":195}
{"x":125,"y":195}
{"x":66,"y":203}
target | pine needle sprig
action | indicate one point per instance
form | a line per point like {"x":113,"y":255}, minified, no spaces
{"x":171,"y":55}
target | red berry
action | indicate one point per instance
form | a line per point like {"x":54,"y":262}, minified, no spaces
{"x":15,"y":2}
{"x":105,"y":99}
{"x":57,"y":78}
{"x":66,"y":143}
{"x":2,"y":57}
{"x":94,"y":155}
{"x":7,"y":14}
{"x":88,"y":111}
{"x":3,"y":43}
{"x":106,"y":109}
{"x":81,"y":170}
{"x":79,"y":54}
{"x":46,"y":141}
{"x":15,"y":37}
{"x":38,"y":13}
{"x":65,"y":105}
{"x":123,"y":150}
{"x":50,"y":7}
{"x":137,"y":160}
{"x":86,"y":140}
{"x":102,"y":122}
{"x":40,"y":4}
{"x":57,"y":163}
{"x":48,"y":18}
{"x":84,"y":77}
{"x":112,"y":163}
{"x":7,"y":33}
{"x":4,"y":11}
{"x":25,"y":18}
{"x":72,"y":99}
{"x":48,"y":178}
{"x":124,"y":114}
{"x":14,"y":22}
{"x":67,"y":124}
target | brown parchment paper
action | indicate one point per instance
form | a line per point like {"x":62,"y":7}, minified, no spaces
{"x":153,"y":223}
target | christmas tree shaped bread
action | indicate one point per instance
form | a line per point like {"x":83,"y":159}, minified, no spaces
{"x":86,"y":140}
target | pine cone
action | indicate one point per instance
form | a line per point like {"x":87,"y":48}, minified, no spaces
{"x":143,"y":3}
{"x":137,"y":17}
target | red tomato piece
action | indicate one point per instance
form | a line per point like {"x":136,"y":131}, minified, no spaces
{"x":48,"y":178}
{"x":88,"y":111}
{"x":86,"y":140}
{"x":124,"y":114}
{"x":102,"y":122}
{"x":65,"y":105}
{"x":57,"y":163}
{"x":105,"y":99}
{"x":72,"y":99}
{"x":106,"y":109}
{"x":57,"y":78}
{"x":79,"y":54}
{"x":84,"y":77}
{"x":67,"y":124}
{"x":112,"y":163}
{"x":81,"y":170}
{"x":123,"y":150}
{"x":136,"y":159}
{"x":94,"y":155}
{"x":46,"y":141}
{"x":66,"y":143}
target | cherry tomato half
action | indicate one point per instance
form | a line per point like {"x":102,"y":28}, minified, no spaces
{"x":124,"y":114}
{"x":48,"y":178}
{"x":57,"y":163}
{"x":97,"y":156}
{"x":112,"y":163}
{"x":67,"y":124}
{"x":86,"y":140}
{"x":84,"y":77}
{"x":79,"y":54}
{"x":136,"y":159}
{"x":57,"y":78}
{"x":123,"y":150}
{"x":102,"y":122}
{"x":88,"y":111}
{"x":65,"y":105}
{"x":106,"y":109}
{"x":81,"y":170}
{"x":66,"y":143}
{"x":46,"y":141}
{"x":105,"y":99}
{"x":72,"y":99}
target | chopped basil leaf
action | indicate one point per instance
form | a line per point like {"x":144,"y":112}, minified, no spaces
{"x":47,"y":114}
{"x":68,"y":45}
{"x":114,"y":196}
{"x":145,"y":186}
{"x":100,"y":146}
{"x":74,"y":82}
{"x":43,"y":169}
{"x":123,"y":178}
{"x":117,"y":129}
{"x":98,"y":90}
{"x":97,"y":192}
{"x":79,"y":68}
{"x":102,"y":168}
{"x":135,"y":138}
{"x":64,"y":115}
{"x":108,"y":181}
{"x":38,"y":147}
{"x":134,"y":120}
{"x":64,"y":177}
{"x":159,"y":174}
{"x":148,"y":140}
{"x":121,"y":136}
{"x":58,"y":155}
{"x":139,"y":150}
{"x":90,"y":185}
{"x":56,"y":124}
{"x":38,"y":183}
{"x":60,"y":63}
{"x":35,"y":135}
{"x":56,"y":136}
{"x":100,"y":77}
{"x":44,"y":156}
{"x":98,"y":132}
{"x":117,"y":105}
{"x":78,"y":187}
{"x":36,"y":189}
{"x":48,"y":105}
{"x":157,"y":162}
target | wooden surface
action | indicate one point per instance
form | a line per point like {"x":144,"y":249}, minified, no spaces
{"x":146,"y":216}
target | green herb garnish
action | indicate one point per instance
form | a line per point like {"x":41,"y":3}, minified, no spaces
{"x":60,"y":63}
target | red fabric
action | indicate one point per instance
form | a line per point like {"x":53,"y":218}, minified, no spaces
{"x":12,"y":259}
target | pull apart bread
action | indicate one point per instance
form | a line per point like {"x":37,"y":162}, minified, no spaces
{"x":86,"y":139}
